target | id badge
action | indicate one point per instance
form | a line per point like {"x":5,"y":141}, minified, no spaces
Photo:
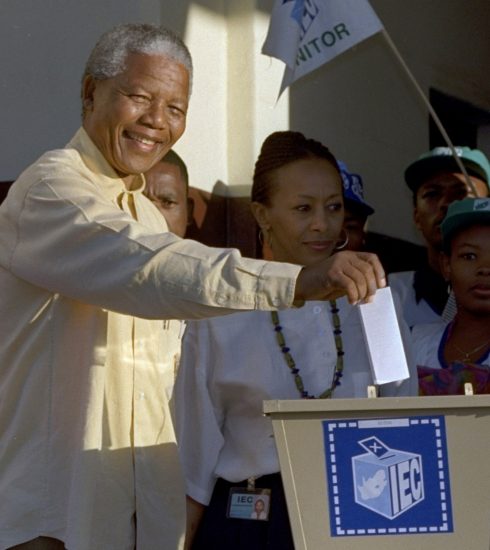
{"x":250,"y":504}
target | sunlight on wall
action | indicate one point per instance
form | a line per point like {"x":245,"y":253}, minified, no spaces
{"x":204,"y":144}
{"x":233,"y":106}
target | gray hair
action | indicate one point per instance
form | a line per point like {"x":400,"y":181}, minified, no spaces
{"x":108,"y":58}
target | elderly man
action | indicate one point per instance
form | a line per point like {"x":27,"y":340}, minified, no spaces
{"x":436,"y":181}
{"x":87,"y":274}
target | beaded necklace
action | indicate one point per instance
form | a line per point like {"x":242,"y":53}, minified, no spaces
{"x":339,"y":367}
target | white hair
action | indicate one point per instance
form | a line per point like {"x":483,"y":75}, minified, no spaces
{"x":108,"y":58}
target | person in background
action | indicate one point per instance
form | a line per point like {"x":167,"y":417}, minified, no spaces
{"x":356,"y":209}
{"x":449,"y":354}
{"x":88,"y":271}
{"x":436,"y":181}
{"x":230,"y":366}
{"x":167,"y":186}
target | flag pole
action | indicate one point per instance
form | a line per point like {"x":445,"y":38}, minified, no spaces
{"x":433,"y":114}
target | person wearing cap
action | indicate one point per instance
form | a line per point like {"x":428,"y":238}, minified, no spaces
{"x":450,"y":354}
{"x":436,"y":180}
{"x":356,"y":209}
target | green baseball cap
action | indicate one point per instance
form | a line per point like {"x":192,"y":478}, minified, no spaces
{"x":441,"y":159}
{"x":464,"y":213}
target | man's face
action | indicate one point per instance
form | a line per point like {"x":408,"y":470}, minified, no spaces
{"x":135,"y":117}
{"x":433,"y":198}
{"x":167,"y":190}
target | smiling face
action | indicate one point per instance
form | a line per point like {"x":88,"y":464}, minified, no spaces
{"x":305,"y":212}
{"x":468,"y":268}
{"x":135,"y":117}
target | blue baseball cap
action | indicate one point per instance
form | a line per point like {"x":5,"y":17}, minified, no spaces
{"x":353,"y":191}
{"x":464,"y":213}
{"x":441,"y":159}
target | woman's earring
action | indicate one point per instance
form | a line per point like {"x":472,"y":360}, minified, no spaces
{"x":344,"y":243}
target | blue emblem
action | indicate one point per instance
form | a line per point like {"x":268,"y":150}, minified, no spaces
{"x":298,"y":8}
{"x":304,"y":13}
{"x":388,"y":476}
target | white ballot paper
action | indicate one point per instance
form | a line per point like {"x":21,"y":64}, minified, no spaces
{"x":383,"y":338}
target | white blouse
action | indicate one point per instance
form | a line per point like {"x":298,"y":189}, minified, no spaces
{"x":231,"y":365}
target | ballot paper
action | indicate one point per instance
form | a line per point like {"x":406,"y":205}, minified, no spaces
{"x":383,"y":338}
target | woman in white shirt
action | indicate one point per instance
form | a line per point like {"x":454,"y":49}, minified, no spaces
{"x":230,"y":365}
{"x":450,"y":354}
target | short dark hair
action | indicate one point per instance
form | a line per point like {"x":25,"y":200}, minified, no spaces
{"x":173,"y":158}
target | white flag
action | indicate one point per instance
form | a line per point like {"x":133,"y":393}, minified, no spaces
{"x":307,"y":33}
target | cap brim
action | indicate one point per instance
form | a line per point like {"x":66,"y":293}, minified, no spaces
{"x":458,"y":222}
{"x":361,"y":207}
{"x":424,"y":168}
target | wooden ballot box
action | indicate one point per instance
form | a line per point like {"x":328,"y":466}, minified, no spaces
{"x":386,"y":473}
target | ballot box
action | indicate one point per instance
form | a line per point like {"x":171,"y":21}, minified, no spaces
{"x":386,"y":473}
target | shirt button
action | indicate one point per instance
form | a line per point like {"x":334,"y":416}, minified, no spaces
{"x":317,"y":309}
{"x":141,"y":395}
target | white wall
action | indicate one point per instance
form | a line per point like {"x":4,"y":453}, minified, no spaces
{"x":234,"y":105}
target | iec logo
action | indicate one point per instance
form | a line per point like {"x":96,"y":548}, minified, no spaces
{"x":387,"y":476}
{"x":387,"y":481}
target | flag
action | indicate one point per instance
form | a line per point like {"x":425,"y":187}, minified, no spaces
{"x":307,"y":33}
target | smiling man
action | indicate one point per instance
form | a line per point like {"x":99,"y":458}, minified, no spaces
{"x":88,"y":271}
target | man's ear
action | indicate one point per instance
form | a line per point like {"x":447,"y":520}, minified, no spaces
{"x":88,"y":89}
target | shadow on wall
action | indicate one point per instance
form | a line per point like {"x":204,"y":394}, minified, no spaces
{"x":224,"y":221}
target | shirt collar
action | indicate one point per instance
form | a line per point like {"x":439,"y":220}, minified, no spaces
{"x":110,"y":183}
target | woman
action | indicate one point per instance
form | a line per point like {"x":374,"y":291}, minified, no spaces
{"x":448,"y":355}
{"x":229,"y":366}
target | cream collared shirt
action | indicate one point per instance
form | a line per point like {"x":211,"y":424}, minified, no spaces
{"x":86,"y":439}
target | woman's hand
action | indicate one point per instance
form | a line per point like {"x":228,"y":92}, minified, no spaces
{"x":356,"y":275}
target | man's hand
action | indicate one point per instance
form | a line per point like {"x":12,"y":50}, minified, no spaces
{"x":355,"y":274}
